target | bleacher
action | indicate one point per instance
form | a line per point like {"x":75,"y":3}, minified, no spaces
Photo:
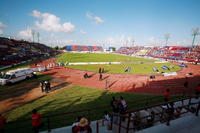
{"x":83,"y":48}
{"x":190,"y":54}
{"x":16,"y":51}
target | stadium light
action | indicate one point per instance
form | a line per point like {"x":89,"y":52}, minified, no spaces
{"x":133,"y":41}
{"x":33,"y":33}
{"x":167,"y":36}
{"x":195,"y":32}
{"x":38,"y":36}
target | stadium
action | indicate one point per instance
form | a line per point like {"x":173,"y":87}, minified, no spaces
{"x":101,"y":87}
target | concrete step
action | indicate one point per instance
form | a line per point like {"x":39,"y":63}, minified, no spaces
{"x":186,"y":124}
{"x":68,"y":129}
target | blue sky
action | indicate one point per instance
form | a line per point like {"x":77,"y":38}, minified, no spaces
{"x":104,"y":22}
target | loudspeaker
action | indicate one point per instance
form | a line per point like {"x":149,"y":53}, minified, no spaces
{"x":152,"y":77}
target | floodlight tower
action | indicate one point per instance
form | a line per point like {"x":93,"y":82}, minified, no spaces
{"x":126,"y":43}
{"x":33,"y":33}
{"x":195,"y":32}
{"x":38,"y":36}
{"x":167,"y":36}
{"x":133,"y":41}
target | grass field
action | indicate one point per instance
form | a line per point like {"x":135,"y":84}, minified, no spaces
{"x":120,"y":68}
{"x":71,"y":99}
{"x":96,"y":57}
{"x":136,"y":68}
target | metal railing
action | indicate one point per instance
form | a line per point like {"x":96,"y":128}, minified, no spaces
{"x":163,"y":115}
{"x":67,"y":118}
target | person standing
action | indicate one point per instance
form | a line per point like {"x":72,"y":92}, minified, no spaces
{"x":112,"y":102}
{"x":99,"y":70}
{"x":100,"y":76}
{"x":2,"y":122}
{"x":167,"y":96}
{"x":42,"y":86}
{"x":107,"y":82}
{"x":102,"y":70}
{"x":83,"y":127}
{"x":106,"y":120}
{"x":123,"y":105}
{"x":2,"y":74}
{"x":36,"y":122}
{"x":116,"y":111}
{"x":46,"y":86}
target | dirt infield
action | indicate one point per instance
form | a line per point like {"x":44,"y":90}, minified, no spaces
{"x":129,"y":82}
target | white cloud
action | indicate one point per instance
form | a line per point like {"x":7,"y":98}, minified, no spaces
{"x":96,"y":19}
{"x":2,"y":25}
{"x":36,"y":14}
{"x":151,"y":39}
{"x":89,"y":15}
{"x":51,"y":22}
{"x":1,"y":31}
{"x":83,"y":32}
{"x":25,"y":34}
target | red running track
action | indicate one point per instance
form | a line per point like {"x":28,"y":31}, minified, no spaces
{"x":139,"y":83}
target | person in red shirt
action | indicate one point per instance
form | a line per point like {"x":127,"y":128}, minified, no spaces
{"x":83,"y":127}
{"x":36,"y":122}
{"x":167,"y":96}
{"x":2,"y":122}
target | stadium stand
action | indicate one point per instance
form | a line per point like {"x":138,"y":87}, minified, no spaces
{"x":83,"y":48}
{"x":190,"y":54}
{"x":15,"y":51}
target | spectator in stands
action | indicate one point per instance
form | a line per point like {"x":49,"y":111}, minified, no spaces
{"x":83,"y":127}
{"x":170,"y":111}
{"x":122,"y":105}
{"x":177,"y":112}
{"x":151,"y":118}
{"x":36,"y":122}
{"x":137,"y":120}
{"x":116,"y":111}
{"x":106,"y":120}
{"x":112,"y":102}
{"x":2,"y":122}
{"x":167,"y":96}
{"x":42,"y":86}
{"x":186,"y":82}
{"x":75,"y":124}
